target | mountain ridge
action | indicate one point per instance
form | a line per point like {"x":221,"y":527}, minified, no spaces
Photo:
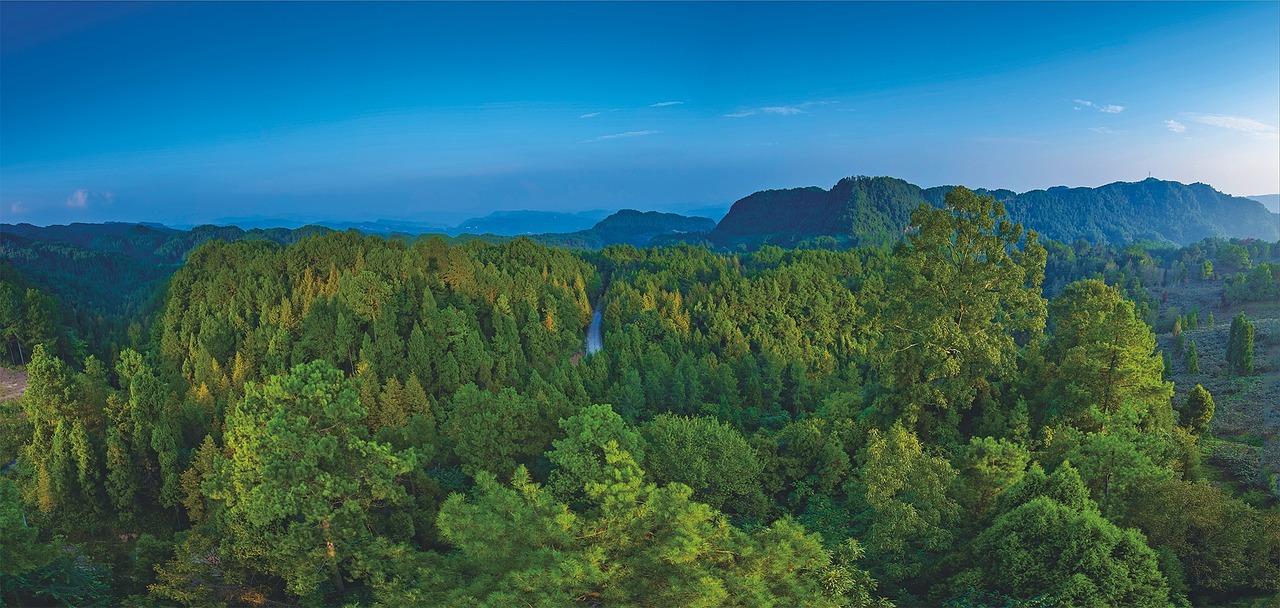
{"x":876,"y":210}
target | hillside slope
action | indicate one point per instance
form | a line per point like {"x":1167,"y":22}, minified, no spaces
{"x":869,"y":210}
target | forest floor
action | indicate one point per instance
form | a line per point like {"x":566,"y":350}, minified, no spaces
{"x":1246,"y":423}
{"x":13,"y":382}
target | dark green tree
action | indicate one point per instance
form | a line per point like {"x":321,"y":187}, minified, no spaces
{"x":1198,"y":410}
{"x":706,"y":455}
{"x":1240,"y":345}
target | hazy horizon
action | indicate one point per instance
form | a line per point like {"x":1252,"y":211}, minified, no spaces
{"x":185,"y":113}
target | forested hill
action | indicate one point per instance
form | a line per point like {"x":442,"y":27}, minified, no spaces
{"x":855,"y":210}
{"x":630,"y":227}
{"x":866,"y":210}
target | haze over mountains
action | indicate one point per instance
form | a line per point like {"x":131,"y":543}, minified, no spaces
{"x":856,"y":210}
{"x":1270,"y":201}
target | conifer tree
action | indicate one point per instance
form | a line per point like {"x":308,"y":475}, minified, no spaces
{"x":1198,"y":410}
{"x":1240,"y":345}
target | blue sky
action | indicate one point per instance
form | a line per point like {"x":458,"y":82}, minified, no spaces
{"x":186,"y":113}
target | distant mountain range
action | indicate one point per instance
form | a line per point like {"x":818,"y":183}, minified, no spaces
{"x":515,"y":223}
{"x":857,"y":210}
{"x":1270,"y":201}
{"x":631,"y":227}
{"x":875,"y":210}
{"x":501,"y":223}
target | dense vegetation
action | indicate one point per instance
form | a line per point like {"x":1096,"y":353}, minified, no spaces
{"x":966,"y":418}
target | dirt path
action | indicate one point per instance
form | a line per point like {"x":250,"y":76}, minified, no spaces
{"x":13,"y":382}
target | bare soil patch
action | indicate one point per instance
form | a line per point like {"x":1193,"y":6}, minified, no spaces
{"x":13,"y":382}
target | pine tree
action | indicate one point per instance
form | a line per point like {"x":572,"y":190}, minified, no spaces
{"x":1193,"y":359}
{"x":1240,"y":345}
{"x":122,"y":478}
{"x":1198,"y":410}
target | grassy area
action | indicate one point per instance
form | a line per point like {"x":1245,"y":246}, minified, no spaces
{"x":1245,"y":449}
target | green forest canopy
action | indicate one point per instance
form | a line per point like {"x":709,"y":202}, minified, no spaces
{"x":966,"y":418}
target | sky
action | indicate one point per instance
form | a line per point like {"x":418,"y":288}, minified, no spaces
{"x":435,"y":112}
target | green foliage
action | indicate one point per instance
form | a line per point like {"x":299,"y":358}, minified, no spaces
{"x":1051,"y":542}
{"x":1224,"y":547}
{"x":490,"y":432}
{"x":1193,"y":358}
{"x":22,"y":553}
{"x":302,"y":479}
{"x":1240,"y":345}
{"x":909,"y":513}
{"x":708,"y":456}
{"x":957,"y":295}
{"x":360,"y":421}
{"x":579,"y":457}
{"x":1198,"y":410}
{"x":645,"y":545}
{"x":1102,"y":364}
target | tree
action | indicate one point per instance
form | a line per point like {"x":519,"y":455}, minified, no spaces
{"x":490,"y":431}
{"x":638,"y":544}
{"x":22,"y":552}
{"x":1102,"y":362}
{"x":706,"y":455}
{"x":1051,"y":542}
{"x":958,"y":293}
{"x":1193,"y":359}
{"x":579,"y":457}
{"x":1198,"y":410}
{"x":1224,"y":547}
{"x":301,"y":480}
{"x":1240,"y":345}
{"x":909,"y":514}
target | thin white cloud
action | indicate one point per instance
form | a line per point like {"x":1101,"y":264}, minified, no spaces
{"x":663,"y":104}
{"x":1106,"y":131}
{"x":78,"y":199}
{"x":590,"y":115}
{"x":1242,"y":124}
{"x":17,"y":208}
{"x":782,"y":110}
{"x":790,"y":110}
{"x":1175,"y":126}
{"x":1109,"y":108}
{"x":622,"y":135}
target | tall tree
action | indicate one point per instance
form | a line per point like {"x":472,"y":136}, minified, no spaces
{"x":1103,"y":366}
{"x":1240,"y":345}
{"x":961,"y":288}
